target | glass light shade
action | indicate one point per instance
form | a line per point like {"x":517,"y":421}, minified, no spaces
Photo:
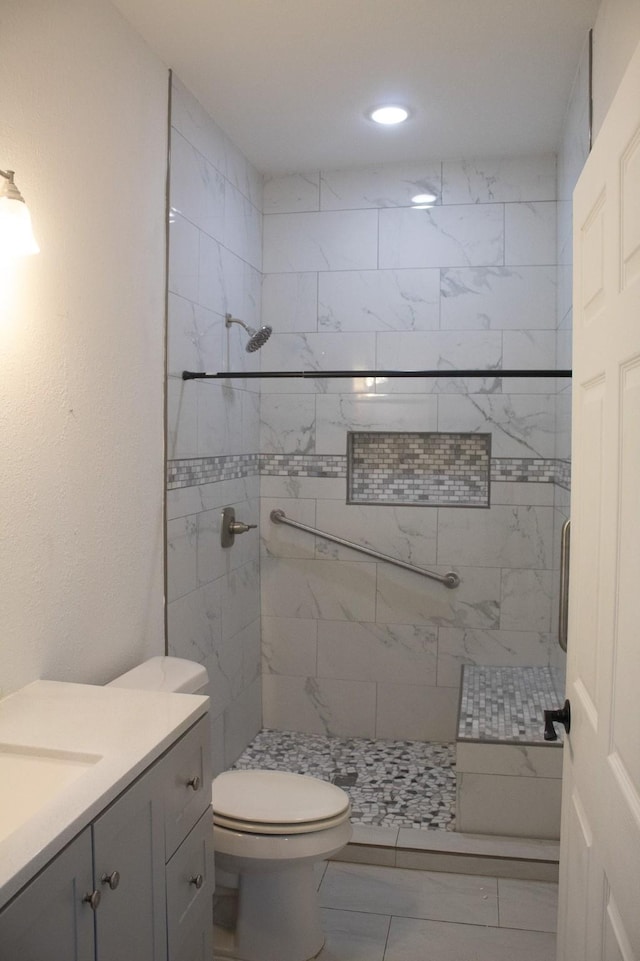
{"x":389,"y":115}
{"x":16,"y":232}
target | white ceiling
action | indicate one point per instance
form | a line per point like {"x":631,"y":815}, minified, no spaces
{"x":289,"y":80}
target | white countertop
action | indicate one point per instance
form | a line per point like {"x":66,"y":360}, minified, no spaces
{"x":126,"y":729}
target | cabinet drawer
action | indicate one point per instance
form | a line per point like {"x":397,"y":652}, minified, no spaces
{"x":187,"y":776}
{"x":190,"y":887}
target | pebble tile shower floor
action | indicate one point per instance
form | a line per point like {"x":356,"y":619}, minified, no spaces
{"x":408,"y":784}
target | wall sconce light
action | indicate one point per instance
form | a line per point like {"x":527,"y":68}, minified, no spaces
{"x":16,"y":232}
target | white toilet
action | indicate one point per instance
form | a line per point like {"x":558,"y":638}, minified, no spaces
{"x":269,"y":828}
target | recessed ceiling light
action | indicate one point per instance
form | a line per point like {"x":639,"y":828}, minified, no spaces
{"x":423,"y":199}
{"x":389,"y":115}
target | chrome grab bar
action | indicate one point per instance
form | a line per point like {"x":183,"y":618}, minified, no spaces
{"x":563,"y":610}
{"x":449,"y":580}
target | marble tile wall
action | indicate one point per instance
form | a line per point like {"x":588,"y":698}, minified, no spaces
{"x":355,"y":278}
{"x":215,"y":261}
{"x":573,"y":152}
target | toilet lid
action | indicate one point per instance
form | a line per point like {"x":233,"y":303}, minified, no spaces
{"x":277,"y":799}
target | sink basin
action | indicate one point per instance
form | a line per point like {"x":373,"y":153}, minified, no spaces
{"x":29,"y":778}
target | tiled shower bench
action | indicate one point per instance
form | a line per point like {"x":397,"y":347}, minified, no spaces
{"x":508,"y":778}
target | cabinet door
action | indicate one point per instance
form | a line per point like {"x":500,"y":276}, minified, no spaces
{"x":48,"y":920}
{"x":199,"y":944}
{"x":129,"y":839}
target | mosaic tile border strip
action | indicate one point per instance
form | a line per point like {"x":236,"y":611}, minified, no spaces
{"x":532,"y":470}
{"x":409,"y":784}
{"x":507,"y":704}
{"x":303,"y":465}
{"x":194,"y":471}
{"x":563,"y":474}
{"x":430,"y":468}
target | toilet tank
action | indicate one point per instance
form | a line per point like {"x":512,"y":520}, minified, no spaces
{"x":174,"y":674}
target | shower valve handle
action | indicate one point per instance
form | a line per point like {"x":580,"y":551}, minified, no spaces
{"x":230,"y":527}
{"x":561,"y":716}
{"x":237,"y":527}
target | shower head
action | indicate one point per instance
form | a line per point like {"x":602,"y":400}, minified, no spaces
{"x":257,"y":338}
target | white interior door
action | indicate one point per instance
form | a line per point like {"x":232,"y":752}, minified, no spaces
{"x":600,"y":852}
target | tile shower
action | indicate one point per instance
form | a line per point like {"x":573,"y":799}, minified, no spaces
{"x":356,"y":278}
{"x":299,"y":635}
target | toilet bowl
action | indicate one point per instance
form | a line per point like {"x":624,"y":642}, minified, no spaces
{"x":269,"y":828}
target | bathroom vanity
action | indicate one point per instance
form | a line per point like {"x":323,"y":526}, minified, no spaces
{"x":105,"y":825}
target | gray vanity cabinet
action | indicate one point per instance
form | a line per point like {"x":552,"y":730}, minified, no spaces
{"x":118,"y":891}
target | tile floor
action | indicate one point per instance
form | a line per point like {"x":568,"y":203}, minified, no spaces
{"x":372,"y":913}
{"x":402,"y":784}
{"x":390,"y":914}
{"x":375,"y":913}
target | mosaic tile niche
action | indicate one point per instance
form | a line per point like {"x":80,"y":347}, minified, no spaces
{"x":430,"y":469}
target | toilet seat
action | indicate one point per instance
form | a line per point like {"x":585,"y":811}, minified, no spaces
{"x":277,"y":803}
{"x":260,"y":827}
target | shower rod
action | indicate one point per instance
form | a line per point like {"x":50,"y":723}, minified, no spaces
{"x":255,"y":374}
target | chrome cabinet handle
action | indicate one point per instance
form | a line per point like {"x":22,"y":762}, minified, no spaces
{"x":197,"y":880}
{"x":92,"y":899}
{"x":194,"y":782}
{"x":113,"y":879}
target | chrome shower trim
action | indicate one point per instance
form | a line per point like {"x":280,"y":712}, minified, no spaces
{"x":257,"y":338}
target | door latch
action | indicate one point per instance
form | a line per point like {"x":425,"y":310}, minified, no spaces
{"x":561,"y":716}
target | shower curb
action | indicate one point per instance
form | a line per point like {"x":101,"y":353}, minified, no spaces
{"x":530,"y":859}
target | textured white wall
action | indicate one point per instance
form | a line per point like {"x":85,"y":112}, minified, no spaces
{"x":616,"y":34}
{"x":83,"y":123}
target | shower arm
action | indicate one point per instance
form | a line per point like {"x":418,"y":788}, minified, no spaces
{"x":255,"y":374}
{"x":451,"y":579}
{"x":229,"y":319}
